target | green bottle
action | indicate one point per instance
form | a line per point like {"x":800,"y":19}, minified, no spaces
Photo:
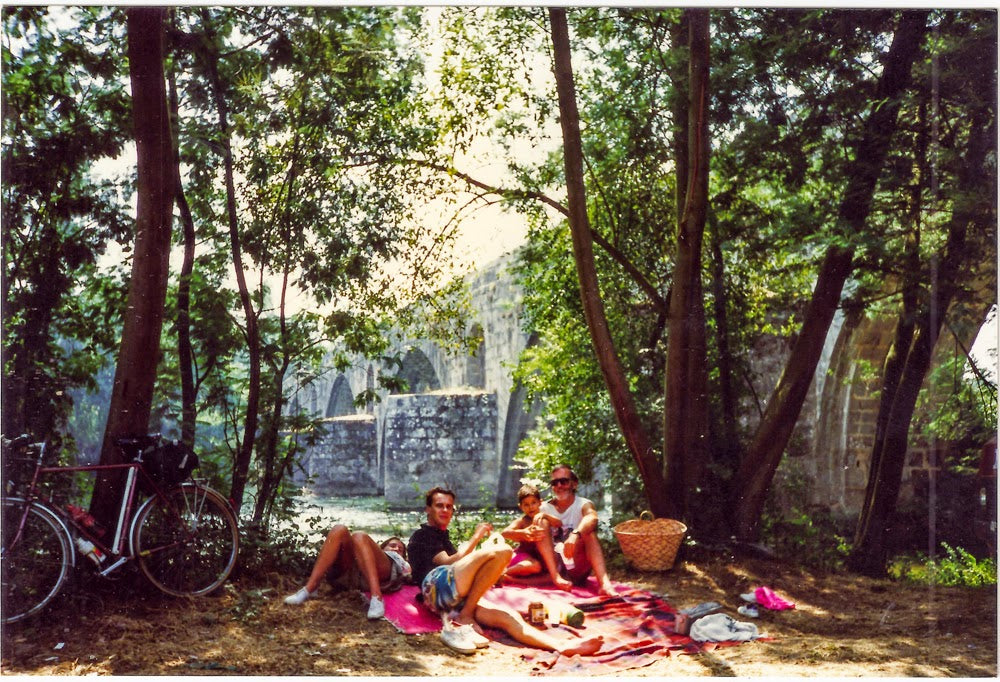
{"x":567,"y":614}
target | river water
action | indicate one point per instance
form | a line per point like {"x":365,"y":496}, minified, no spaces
{"x":371,"y":514}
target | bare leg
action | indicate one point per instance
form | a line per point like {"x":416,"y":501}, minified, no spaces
{"x":476,"y":573}
{"x":548,"y":553}
{"x":336,"y":551}
{"x":525,"y":567}
{"x":374,"y":565}
{"x":513,"y":624}
{"x":535,"y":579}
{"x":595,"y":558}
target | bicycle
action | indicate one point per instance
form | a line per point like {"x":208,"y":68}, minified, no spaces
{"x":184,"y":535}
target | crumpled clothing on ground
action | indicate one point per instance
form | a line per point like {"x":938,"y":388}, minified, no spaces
{"x":719,"y":627}
{"x":767,"y":598}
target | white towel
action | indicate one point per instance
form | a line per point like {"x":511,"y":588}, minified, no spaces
{"x":719,"y":627}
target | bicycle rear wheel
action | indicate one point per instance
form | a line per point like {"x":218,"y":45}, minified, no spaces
{"x":186,"y":541}
{"x":33,"y":564}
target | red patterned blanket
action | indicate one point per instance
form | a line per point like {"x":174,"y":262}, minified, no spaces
{"x":638,"y":626}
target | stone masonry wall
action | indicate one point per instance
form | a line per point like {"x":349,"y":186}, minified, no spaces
{"x":344,"y":461}
{"x":446,"y":439}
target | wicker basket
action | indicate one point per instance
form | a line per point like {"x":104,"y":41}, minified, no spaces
{"x":650,"y":544}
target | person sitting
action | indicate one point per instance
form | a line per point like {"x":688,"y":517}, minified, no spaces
{"x":574,"y":530}
{"x":534,"y":555}
{"x":354,"y":561}
{"x":453,"y":579}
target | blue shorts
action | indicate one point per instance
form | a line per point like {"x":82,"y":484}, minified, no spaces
{"x":439,"y":590}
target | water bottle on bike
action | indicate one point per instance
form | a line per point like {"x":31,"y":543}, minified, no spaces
{"x":89,"y":550}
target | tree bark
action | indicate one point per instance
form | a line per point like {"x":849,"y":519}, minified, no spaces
{"x":757,"y":470}
{"x":185,"y":354}
{"x":135,"y":373}
{"x":685,"y":382}
{"x":622,"y":402}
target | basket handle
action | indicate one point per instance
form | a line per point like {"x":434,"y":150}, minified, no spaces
{"x":647,"y":515}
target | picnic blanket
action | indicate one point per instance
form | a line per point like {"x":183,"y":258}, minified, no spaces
{"x":638,"y":626}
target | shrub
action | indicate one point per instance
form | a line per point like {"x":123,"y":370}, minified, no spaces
{"x":956,"y":568}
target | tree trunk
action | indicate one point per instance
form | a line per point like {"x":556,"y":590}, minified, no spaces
{"x":135,"y":374}
{"x":273,"y":469}
{"x":685,"y":399}
{"x":622,"y":402}
{"x":757,"y":470}
{"x":907,"y":366}
{"x":244,"y":452}
{"x":185,"y":355}
{"x":727,"y":446}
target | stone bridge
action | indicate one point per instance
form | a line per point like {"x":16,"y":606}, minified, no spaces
{"x":463,"y":421}
{"x":460,"y":425}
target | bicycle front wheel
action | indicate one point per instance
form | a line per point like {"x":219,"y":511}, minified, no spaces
{"x":35,"y":558}
{"x":187,"y":541}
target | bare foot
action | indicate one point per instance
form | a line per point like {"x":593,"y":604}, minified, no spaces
{"x":583,"y":647}
{"x":562,"y":583}
{"x":606,"y":588}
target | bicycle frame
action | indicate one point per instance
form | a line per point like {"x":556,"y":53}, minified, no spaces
{"x":117,"y":549}
{"x":183,"y":535}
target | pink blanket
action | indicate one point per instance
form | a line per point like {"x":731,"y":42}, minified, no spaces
{"x":638,"y":626}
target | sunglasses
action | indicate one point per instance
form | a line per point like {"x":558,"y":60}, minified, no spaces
{"x":560,"y":481}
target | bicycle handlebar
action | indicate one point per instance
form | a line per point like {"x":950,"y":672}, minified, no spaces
{"x":137,"y":442}
{"x":17,"y":441}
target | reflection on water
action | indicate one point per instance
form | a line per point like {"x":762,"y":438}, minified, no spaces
{"x":371,"y":515}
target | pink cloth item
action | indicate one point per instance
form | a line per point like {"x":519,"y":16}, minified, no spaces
{"x":520,"y":555}
{"x":408,"y":615}
{"x":767,"y":598}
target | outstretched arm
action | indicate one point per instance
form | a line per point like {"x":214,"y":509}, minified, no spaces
{"x":444,"y":559}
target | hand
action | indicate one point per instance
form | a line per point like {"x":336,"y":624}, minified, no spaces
{"x":483,"y":529}
{"x":534,"y":533}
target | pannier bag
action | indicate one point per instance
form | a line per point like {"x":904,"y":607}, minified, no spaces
{"x":169,"y":463}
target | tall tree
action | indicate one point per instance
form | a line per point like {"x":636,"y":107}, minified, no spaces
{"x":210,"y":53}
{"x":931,"y":286}
{"x":685,"y":430}
{"x":583,"y":255}
{"x":756,"y":471}
{"x":135,"y":375}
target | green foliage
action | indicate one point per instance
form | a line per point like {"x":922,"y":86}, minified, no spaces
{"x":283,"y":548}
{"x":64,"y":109}
{"x":248,"y":604}
{"x":812,"y":538}
{"x":959,"y":408}
{"x":463,"y":523}
{"x":956,"y":568}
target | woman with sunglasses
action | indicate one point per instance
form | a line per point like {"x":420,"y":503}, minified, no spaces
{"x":354,"y":561}
{"x":576,"y":533}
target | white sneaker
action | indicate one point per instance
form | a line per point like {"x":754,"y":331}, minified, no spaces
{"x":455,"y":639}
{"x":376,"y":608}
{"x":299,"y":597}
{"x":470,"y":633}
{"x":749,"y":597}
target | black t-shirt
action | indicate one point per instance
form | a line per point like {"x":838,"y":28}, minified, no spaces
{"x":425,"y":544}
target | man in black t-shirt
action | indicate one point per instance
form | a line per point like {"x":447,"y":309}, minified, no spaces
{"x":453,"y":579}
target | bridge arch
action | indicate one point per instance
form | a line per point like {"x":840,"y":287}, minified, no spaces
{"x":341,"y":402}
{"x":418,"y":372}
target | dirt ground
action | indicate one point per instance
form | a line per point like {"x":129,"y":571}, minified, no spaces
{"x":842,"y":626}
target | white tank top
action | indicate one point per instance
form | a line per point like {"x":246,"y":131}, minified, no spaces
{"x":570,"y":519}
